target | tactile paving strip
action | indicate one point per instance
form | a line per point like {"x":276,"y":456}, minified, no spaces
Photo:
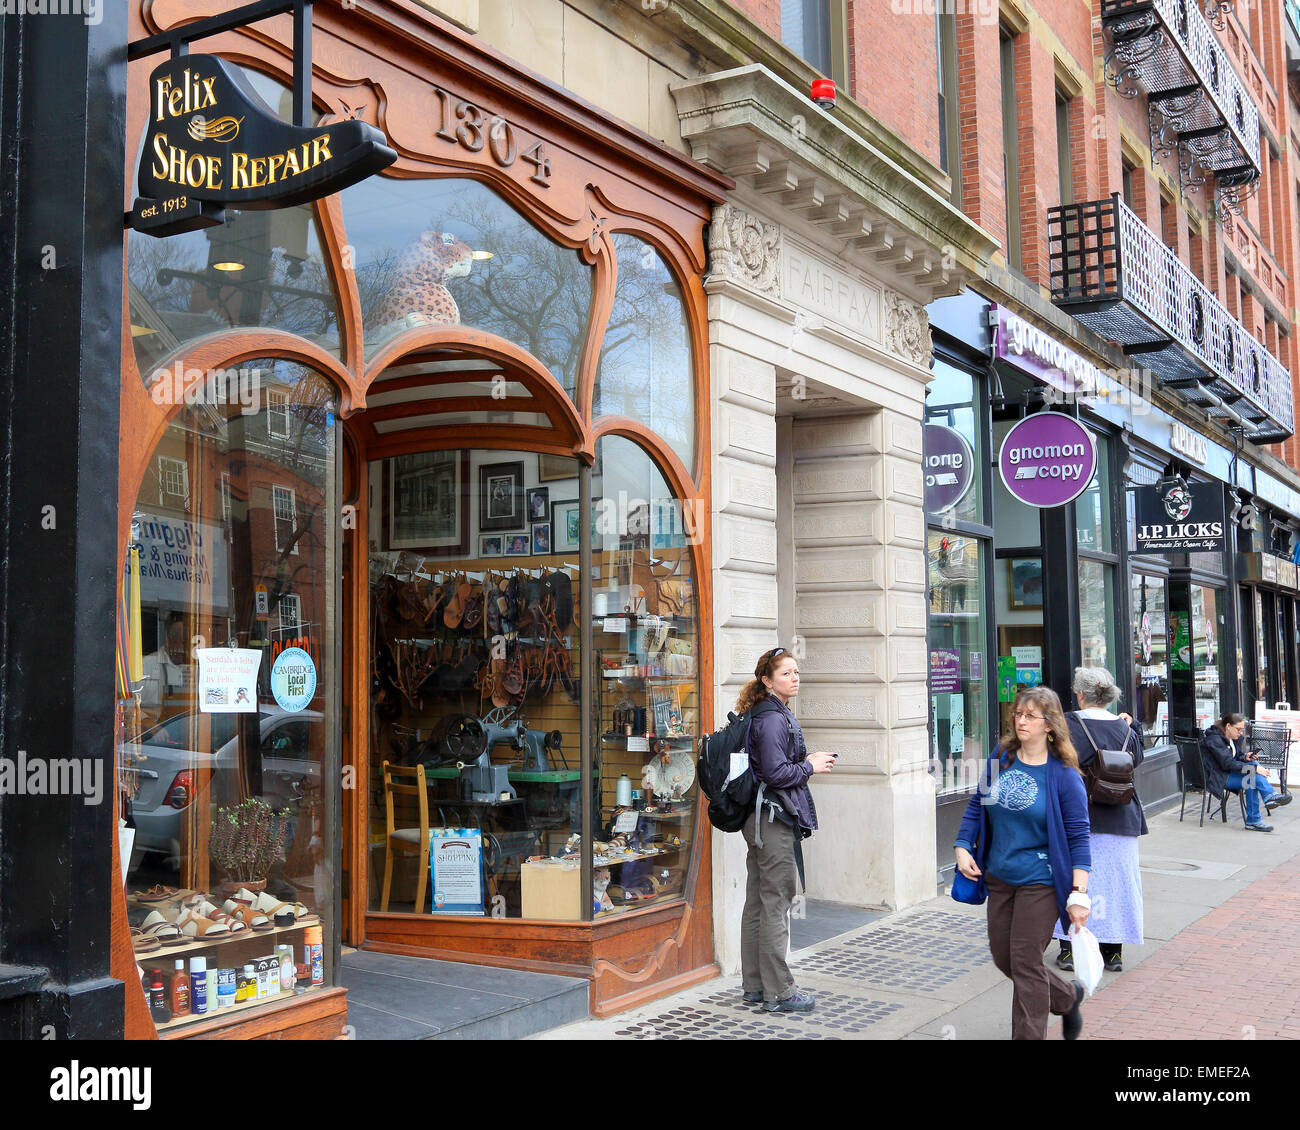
{"x":920,"y":953}
{"x":725,"y":1016}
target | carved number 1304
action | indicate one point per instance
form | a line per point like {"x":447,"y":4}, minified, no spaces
{"x":468,"y":126}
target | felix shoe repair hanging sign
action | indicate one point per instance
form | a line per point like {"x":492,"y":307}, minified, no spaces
{"x":1173,"y":517}
{"x":213,"y":143}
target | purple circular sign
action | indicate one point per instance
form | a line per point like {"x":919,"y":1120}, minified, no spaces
{"x":949,"y":467}
{"x":1048,"y":459}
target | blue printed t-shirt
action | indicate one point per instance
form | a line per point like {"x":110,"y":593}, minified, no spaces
{"x":1017,"y":811}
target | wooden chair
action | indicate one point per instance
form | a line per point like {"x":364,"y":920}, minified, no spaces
{"x":406,"y":840}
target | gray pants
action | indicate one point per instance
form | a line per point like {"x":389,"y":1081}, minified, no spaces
{"x":765,"y":924}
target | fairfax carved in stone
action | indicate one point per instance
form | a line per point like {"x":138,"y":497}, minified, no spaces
{"x":907,"y":329}
{"x":745,"y":250}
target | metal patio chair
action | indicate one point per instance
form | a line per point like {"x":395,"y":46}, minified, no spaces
{"x":1272,"y":741}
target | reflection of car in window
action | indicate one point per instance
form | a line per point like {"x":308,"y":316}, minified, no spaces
{"x":171,"y":768}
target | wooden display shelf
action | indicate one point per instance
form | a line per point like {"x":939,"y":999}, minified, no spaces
{"x":215,"y":1013}
{"x":318,"y":1013}
{"x":201,"y":944}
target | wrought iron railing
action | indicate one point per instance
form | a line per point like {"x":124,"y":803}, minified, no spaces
{"x":1197,"y":102}
{"x":1112,"y":272}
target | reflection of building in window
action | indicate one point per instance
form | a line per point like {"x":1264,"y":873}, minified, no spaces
{"x":290,"y":613}
{"x":285,"y":509}
{"x":173,"y":478}
{"x":277,"y":414}
{"x":225,"y":497}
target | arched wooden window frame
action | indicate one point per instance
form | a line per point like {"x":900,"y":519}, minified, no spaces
{"x":670,"y":216}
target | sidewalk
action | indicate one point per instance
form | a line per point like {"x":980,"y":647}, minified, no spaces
{"x":1215,"y":898}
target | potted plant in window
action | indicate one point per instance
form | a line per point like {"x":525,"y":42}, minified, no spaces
{"x":247,"y":839}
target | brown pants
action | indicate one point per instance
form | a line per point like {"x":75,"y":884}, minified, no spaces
{"x":1021,"y":920}
{"x":765,"y":922}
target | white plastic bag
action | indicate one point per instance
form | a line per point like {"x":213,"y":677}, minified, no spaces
{"x":1087,"y":957}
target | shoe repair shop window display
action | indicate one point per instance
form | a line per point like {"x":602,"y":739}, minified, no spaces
{"x":228,"y":699}
{"x":475,"y":677}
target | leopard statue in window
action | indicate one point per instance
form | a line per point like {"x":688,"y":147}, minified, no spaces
{"x":417,"y":294}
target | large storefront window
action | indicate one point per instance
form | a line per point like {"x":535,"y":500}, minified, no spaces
{"x":477,"y":677}
{"x":951,"y":399}
{"x":1095,"y":539}
{"x":454,"y":253}
{"x":1097,"y":614}
{"x":958,"y":706}
{"x":476,"y":671}
{"x":644,"y":371}
{"x":1149,"y":604}
{"x":647,"y":699}
{"x":231,"y":741}
{"x":1206,"y":654}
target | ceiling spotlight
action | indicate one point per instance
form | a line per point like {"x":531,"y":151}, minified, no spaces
{"x":480,"y":255}
{"x":228,"y":265}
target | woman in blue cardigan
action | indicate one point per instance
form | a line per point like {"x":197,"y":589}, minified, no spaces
{"x":1026,"y":832}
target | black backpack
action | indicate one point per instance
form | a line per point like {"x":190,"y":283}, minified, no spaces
{"x":730,"y":801}
{"x":1109,"y":775}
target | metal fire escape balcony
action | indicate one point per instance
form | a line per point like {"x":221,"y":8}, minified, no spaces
{"x":1109,"y":270}
{"x":1196,"y":101}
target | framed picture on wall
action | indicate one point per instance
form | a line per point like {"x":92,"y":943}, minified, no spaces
{"x":565,"y":526}
{"x":553,"y":467}
{"x":538,"y":504}
{"x":1026,"y":586}
{"x":426,"y":502}
{"x":517,"y":545}
{"x":501,"y":496}
{"x":490,"y":545}
{"x":541,"y":537}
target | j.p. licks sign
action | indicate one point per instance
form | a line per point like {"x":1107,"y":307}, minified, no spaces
{"x":213,"y":143}
{"x":1173,"y":517}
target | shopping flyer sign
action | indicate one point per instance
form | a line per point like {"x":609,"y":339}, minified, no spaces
{"x":1047,"y":459}
{"x":456,"y":870}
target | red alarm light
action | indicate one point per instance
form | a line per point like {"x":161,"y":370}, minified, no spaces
{"x":823,"y":93}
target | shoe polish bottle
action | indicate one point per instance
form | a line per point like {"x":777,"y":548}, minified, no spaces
{"x":198,"y":985}
{"x":179,"y":997}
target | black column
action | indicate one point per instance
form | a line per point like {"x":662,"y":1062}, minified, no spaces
{"x":1062,"y":652}
{"x":63,"y":88}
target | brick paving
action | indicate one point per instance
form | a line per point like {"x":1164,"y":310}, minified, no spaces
{"x":1191,"y":988}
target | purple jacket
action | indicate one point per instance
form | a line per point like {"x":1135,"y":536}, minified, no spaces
{"x":779,"y":759}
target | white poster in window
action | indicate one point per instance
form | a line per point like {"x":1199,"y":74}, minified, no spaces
{"x":456,"y":868}
{"x":228,"y":679}
{"x":956,"y":723}
{"x":1206,"y":709}
{"x":1029,"y":665}
{"x":1162,"y":720}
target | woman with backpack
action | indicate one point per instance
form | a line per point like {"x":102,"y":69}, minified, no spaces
{"x":783,"y":816}
{"x":1116,"y":886}
{"x":1025,"y":833}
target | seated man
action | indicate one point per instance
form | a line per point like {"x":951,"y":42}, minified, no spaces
{"x":1229,"y":764}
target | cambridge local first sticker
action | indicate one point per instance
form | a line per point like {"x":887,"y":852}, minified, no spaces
{"x":293,"y":679}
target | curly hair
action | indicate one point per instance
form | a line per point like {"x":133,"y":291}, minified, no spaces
{"x":753,"y":690}
{"x":1059,"y":744}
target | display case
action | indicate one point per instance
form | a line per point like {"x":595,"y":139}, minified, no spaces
{"x":647,"y":719}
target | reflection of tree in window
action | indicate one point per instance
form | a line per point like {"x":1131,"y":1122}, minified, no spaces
{"x":645,"y":361}
{"x":521,"y":286}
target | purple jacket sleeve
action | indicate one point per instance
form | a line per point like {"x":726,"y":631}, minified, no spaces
{"x":769,"y":752}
